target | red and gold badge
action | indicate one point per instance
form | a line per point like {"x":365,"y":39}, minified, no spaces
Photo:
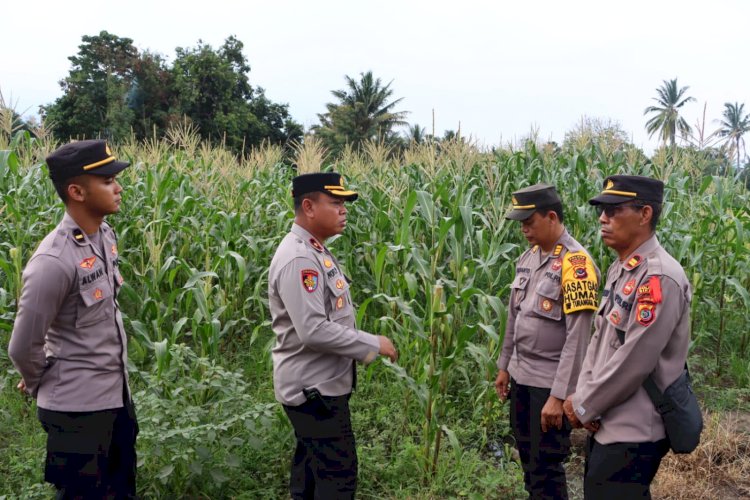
{"x":633,"y":262}
{"x":651,"y":291}
{"x":629,"y":287}
{"x":615,"y":317}
{"x":556,"y":265}
{"x":340,"y":302}
{"x":546,"y":305}
{"x":87,"y":263}
{"x":317,"y":246}
{"x":646,"y":313}
{"x":578,"y":262}
{"x":114,"y":250}
{"x":309,"y":280}
{"x":98,"y":294}
{"x":340,"y":284}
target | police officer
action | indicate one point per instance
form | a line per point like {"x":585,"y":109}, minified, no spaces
{"x":647,"y":298}
{"x":552,"y":304}
{"x":317,"y":342}
{"x":68,"y":340}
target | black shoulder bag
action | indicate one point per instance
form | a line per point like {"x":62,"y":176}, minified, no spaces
{"x":678,"y":407}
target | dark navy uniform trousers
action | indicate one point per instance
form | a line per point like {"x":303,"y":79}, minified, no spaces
{"x":621,"y":471}
{"x":324,"y":465}
{"x":542,"y":453}
{"x":91,"y":454}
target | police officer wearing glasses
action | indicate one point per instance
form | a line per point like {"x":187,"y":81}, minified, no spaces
{"x":646,"y":303}
{"x":317,"y":341}
{"x":552,"y":305}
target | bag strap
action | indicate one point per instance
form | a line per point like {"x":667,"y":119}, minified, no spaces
{"x":657,"y":397}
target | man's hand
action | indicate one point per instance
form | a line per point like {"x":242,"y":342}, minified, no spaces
{"x":592,"y":426}
{"x":552,"y":413}
{"x":21,"y":386}
{"x":387,"y":348}
{"x":570,"y":414}
{"x":502,"y":384}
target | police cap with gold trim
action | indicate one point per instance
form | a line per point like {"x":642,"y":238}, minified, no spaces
{"x":331,"y":183}
{"x":622,"y":188}
{"x":83,"y":157}
{"x":528,"y":200}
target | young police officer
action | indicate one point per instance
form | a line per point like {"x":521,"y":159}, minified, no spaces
{"x":317,"y":341}
{"x":68,"y":340}
{"x":647,"y":299}
{"x":552,"y":304}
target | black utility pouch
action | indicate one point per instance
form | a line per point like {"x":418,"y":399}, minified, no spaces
{"x":318,"y":405}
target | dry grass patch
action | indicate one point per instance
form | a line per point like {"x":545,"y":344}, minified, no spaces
{"x":719,"y":468}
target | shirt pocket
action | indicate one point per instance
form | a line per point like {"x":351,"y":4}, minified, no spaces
{"x":547,"y":303}
{"x":518,"y":289}
{"x":341,"y":306}
{"x":94,"y":305}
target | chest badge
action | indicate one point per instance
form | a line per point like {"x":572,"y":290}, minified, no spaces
{"x":629,"y":287}
{"x":340,"y":284}
{"x":327,"y":263}
{"x":556,"y":265}
{"x":340,"y":302}
{"x":114,"y":250}
{"x":87,"y":263}
{"x":309,"y":280}
{"x":98,"y":294}
{"x":615,"y":317}
{"x":546,"y":305}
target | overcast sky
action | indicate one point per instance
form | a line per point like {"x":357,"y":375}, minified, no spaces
{"x":499,"y":68}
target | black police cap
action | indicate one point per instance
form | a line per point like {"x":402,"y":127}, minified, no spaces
{"x":325,"y":182}
{"x":83,"y":157}
{"x":528,"y":200}
{"x":622,"y":188}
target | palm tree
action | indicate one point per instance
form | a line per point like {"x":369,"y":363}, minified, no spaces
{"x":364,"y":112}
{"x":667,"y":120}
{"x":734,"y":125}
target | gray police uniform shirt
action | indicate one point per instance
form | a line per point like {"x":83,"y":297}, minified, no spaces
{"x":314,"y":321}
{"x":552,"y":305}
{"x":647,"y":295}
{"x":68,"y":340}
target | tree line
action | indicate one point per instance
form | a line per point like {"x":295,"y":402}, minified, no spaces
{"x":115,"y":91}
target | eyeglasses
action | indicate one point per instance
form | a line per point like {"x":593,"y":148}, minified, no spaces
{"x":613,"y":210}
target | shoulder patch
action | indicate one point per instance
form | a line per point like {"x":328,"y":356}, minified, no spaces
{"x":650,"y":292}
{"x":309,"y":280}
{"x":634,"y":261}
{"x":579,"y":283}
{"x":646,"y":313}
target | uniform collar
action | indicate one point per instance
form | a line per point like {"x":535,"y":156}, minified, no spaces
{"x":562,"y":242}
{"x":308,"y":238}
{"x":638,"y":256}
{"x":75,"y":233}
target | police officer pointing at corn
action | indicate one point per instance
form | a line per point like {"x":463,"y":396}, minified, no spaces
{"x":317,"y":342}
{"x":642,"y":333}
{"x":68,"y":340}
{"x":552,"y":304}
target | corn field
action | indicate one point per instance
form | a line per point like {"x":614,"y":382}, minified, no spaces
{"x":431,"y":259}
